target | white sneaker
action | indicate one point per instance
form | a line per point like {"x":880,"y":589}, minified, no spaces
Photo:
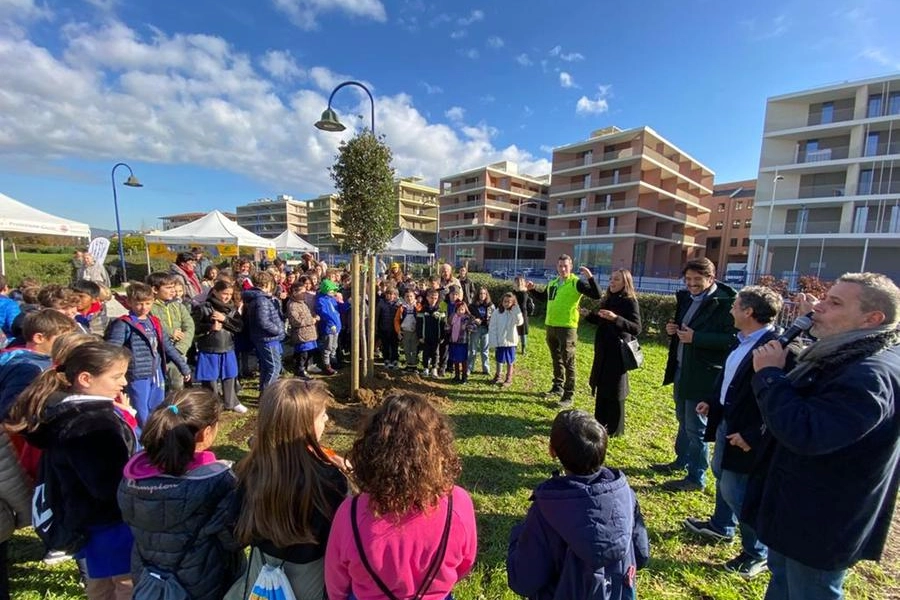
{"x":239,"y":409}
{"x":55,"y":557}
{"x":425,"y":373}
{"x":313,"y":369}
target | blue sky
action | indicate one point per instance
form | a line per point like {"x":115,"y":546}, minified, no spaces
{"x":212,"y":101}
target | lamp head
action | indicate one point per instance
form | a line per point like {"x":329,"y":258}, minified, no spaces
{"x":329,"y":121}
{"x":132,"y":181}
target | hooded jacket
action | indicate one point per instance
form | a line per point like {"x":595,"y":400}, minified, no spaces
{"x":165,"y":512}
{"x":262,"y":319}
{"x":144,"y":359}
{"x":583,"y":537}
{"x":222,"y":340}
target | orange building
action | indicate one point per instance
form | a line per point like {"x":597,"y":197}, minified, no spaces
{"x":728,"y":238}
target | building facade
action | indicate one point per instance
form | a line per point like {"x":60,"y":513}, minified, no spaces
{"x":270,"y":218}
{"x":417,"y":209}
{"x":493,"y":213}
{"x":628,"y":199}
{"x":324,"y":231}
{"x":730,"y":220}
{"x":173,"y":221}
{"x":828,"y":195}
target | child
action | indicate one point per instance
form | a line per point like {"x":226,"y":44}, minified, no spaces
{"x":9,"y":308}
{"x":328,"y":311}
{"x":583,"y":536}
{"x":303,"y":328}
{"x":68,"y":413}
{"x":262,"y":319}
{"x":385,"y":312}
{"x":60,"y":299}
{"x":406,"y":466}
{"x":503,"y":335}
{"x":289,"y":488}
{"x":405,"y":326}
{"x":175,"y":318}
{"x":448,"y":307}
{"x":430,"y":331}
{"x":142,"y":334}
{"x":15,"y":504}
{"x":175,"y":496}
{"x":526,"y":305}
{"x":461,"y":326}
{"x":481,"y":310}
{"x":91,"y":311}
{"x":217,"y":322}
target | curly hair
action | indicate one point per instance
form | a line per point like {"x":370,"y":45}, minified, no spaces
{"x":405,"y":458}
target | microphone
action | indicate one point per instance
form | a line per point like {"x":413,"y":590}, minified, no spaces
{"x":799,"y":325}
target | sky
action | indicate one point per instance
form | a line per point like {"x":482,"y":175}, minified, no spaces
{"x":212,"y":102}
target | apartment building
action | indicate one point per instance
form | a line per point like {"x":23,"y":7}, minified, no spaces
{"x":269,"y":218}
{"x":417,"y":209}
{"x":628,"y":199}
{"x":324,"y":231}
{"x":730,"y":220}
{"x":172,"y":221}
{"x":493,"y":212}
{"x":828,"y":195}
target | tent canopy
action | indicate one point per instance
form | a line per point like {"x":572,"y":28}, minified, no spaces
{"x":16,"y":217}
{"x":291,"y":242}
{"x":213,"y":228}
{"x":404,"y":243}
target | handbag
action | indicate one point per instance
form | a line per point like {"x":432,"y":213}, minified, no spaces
{"x":433,"y":568}
{"x":632,"y":355}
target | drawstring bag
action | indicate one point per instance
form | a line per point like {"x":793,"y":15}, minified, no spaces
{"x":271,"y":584}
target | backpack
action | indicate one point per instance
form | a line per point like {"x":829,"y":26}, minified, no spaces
{"x":46,"y":505}
{"x":158,"y":584}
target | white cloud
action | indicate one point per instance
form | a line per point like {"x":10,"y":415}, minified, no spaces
{"x":281,"y":65}
{"x":523,"y":60}
{"x":303,"y":13}
{"x":456,"y":113}
{"x":195,"y":100}
{"x":881,"y":57}
{"x":458,"y":34}
{"x":566,"y":80}
{"x":767,"y":28}
{"x":487,"y":99}
{"x":471,"y":53}
{"x":596,"y":105}
{"x":22,"y":11}
{"x":495,"y":42}
{"x":431,"y":89}
{"x":556,"y":52}
{"x":546,"y":149}
{"x":475,"y":15}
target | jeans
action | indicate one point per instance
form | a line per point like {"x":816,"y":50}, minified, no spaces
{"x":731,"y":488}
{"x":478,"y":346}
{"x":561,"y":342}
{"x":690,"y":449}
{"x":269,"y":355}
{"x":792,"y":580}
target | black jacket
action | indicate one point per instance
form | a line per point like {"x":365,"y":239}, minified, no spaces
{"x":166,"y":513}
{"x":219,"y":341}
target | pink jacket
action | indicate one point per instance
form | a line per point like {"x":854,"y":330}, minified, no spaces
{"x":399,"y":550}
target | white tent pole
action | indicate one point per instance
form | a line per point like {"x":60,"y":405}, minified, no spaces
{"x":147,"y":250}
{"x":15,"y":251}
{"x":2,"y":256}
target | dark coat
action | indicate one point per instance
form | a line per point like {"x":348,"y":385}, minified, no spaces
{"x":262,"y":317}
{"x":430,"y":327}
{"x":123,"y":332}
{"x":581,"y":538}
{"x":165,"y":512}
{"x":526,"y":305}
{"x":609,"y":379}
{"x":22,"y":367}
{"x":833,"y":465}
{"x":222,"y":340}
{"x":468,"y":290}
{"x":714,"y":335}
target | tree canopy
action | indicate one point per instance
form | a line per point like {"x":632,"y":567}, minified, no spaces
{"x":364,"y":179}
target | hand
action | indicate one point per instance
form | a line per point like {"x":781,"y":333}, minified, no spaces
{"x":317,"y":319}
{"x":586,"y":272}
{"x":529,"y":285}
{"x":217,"y":316}
{"x":735,"y":439}
{"x":671,"y":327}
{"x":702,"y":408}
{"x":216,"y":326}
{"x":177,"y":335}
{"x":685,"y":334}
{"x":806,"y":302}
{"x":769,"y":355}
{"x":606,"y":314}
{"x":583,"y":311}
{"x":187,"y":378}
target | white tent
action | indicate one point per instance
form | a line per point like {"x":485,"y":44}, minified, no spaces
{"x":210,"y":229}
{"x":291,"y":242}
{"x":16,"y":217}
{"x":406,"y":244}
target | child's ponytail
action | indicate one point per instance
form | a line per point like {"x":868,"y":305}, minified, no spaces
{"x":170,"y":434}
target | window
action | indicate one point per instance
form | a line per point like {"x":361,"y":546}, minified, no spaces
{"x":720,"y":224}
{"x":747,"y":223}
{"x":874,"y":106}
{"x":732,"y":242}
{"x":720,"y":207}
{"x":745,"y":242}
{"x":739,"y":205}
{"x":894,"y":104}
{"x":827,"y":112}
{"x":865,"y":181}
{"x":736,"y":223}
{"x":871,"y":148}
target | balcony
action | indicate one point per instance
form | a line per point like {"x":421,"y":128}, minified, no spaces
{"x":823,"y":154}
{"x":455,"y":189}
{"x":595,"y":207}
{"x":882,"y":149}
{"x":821,"y":191}
{"x":824,"y":118}
{"x":592,"y":160}
{"x":595,"y":183}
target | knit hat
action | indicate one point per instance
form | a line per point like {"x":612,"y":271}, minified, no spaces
{"x":327,"y":286}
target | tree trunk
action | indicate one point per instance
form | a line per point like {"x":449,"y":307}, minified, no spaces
{"x":355,"y":324}
{"x":371,"y":291}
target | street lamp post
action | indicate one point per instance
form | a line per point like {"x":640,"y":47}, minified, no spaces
{"x":765,"y":252}
{"x":130,"y":182}
{"x":518,"y":221}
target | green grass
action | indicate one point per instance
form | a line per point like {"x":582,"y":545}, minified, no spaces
{"x":502,"y":438}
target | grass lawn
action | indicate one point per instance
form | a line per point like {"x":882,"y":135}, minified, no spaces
{"x":502,"y":437}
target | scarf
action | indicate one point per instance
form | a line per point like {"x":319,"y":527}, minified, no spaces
{"x":842,"y":348}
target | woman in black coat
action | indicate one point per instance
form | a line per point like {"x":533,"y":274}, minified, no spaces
{"x":618,"y":321}
{"x":526,"y":305}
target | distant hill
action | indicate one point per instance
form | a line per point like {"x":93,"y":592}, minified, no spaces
{"x":100,"y":232}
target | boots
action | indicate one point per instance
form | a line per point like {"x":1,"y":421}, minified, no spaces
{"x":509,"y":373}
{"x":496,"y":379}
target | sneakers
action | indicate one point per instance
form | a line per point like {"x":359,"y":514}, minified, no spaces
{"x":426,"y":372}
{"x":746,"y":566}
{"x":313,"y":369}
{"x":329,"y":372}
{"x":706,"y":529}
{"x":667,"y":468}
{"x":239,"y":409}
{"x":556,"y":390}
{"x":683,"y":485}
{"x":55,"y":557}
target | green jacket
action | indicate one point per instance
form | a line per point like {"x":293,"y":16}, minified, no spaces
{"x":174,"y":315}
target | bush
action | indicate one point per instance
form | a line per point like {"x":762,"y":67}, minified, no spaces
{"x":44,"y":271}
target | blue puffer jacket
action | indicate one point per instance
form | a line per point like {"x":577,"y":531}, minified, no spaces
{"x":19,"y":368}
{"x":262,"y":318}
{"x":583,"y":537}
{"x":9,"y":308}
{"x":189,"y":516}
{"x":123,"y":332}
{"x":329,"y":314}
